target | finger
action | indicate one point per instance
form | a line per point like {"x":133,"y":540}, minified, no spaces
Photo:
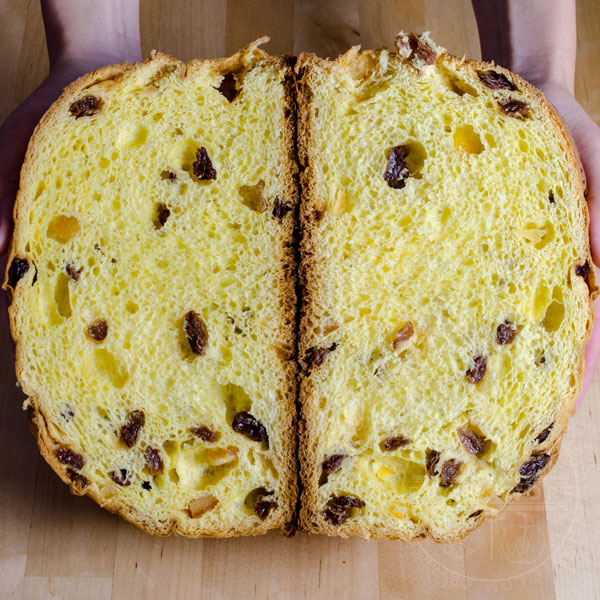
{"x":14,"y":137}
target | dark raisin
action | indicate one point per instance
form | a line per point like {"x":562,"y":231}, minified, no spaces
{"x":162,"y":214}
{"x":523,"y":485}
{"x":472,"y":442}
{"x":329,"y":466}
{"x":584,"y":271}
{"x":339,"y":508}
{"x":532,"y":466}
{"x":280,"y":209}
{"x":86,"y":106}
{"x":67,"y":414}
{"x":146,"y":486}
{"x":543,"y":436}
{"x":77,"y":478}
{"x":263,"y":507}
{"x":396,"y":170}
{"x":551,"y":197}
{"x":432,"y":458}
{"x":153,"y":460}
{"x":72,"y":272}
{"x":540,"y":359}
{"x":393,"y":443}
{"x":121,"y":477}
{"x":247,"y":425}
{"x":475,"y":375}
{"x":18,"y":268}
{"x":450,"y":470}
{"x":196,"y":331}
{"x":204,"y":433}
{"x":496,"y":81}
{"x":98,"y":330}
{"x":203,"y":168}
{"x":168,"y":175}
{"x":514,"y":108}
{"x":131,"y":429}
{"x":227,"y":87}
{"x":418,"y":49}
{"x":315,"y":357}
{"x":317,"y":215}
{"x":70,"y":458}
{"x":506,"y":333}
{"x":475,"y":514}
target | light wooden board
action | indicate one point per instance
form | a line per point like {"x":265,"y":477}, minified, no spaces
{"x":53,"y":545}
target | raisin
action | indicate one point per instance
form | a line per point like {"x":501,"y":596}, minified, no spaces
{"x":146,"y":486}
{"x":204,"y":433}
{"x":396,"y":170}
{"x":317,"y":215}
{"x":530,"y":468}
{"x":196,"y":331}
{"x":506,"y":333}
{"x":72,"y":272}
{"x":339,"y":508}
{"x":78,"y":479}
{"x":86,"y":106}
{"x":247,"y":425}
{"x":131,"y":429}
{"x":472,"y":442}
{"x":70,"y":458}
{"x":417,"y":49}
{"x":162,"y":214}
{"x":450,"y":470}
{"x":432,"y":458}
{"x":543,"y":436}
{"x":203,"y":167}
{"x":153,"y":460}
{"x":263,"y":507}
{"x":496,"y":81}
{"x":67,"y":414}
{"x":18,"y":268}
{"x":523,"y":485}
{"x":315,"y":357}
{"x":475,"y":375}
{"x":227,"y":87}
{"x":540,"y":359}
{"x":121,"y":477}
{"x":329,"y":466}
{"x":168,"y":175}
{"x":475,"y":514}
{"x":98,"y":330}
{"x":402,"y":335}
{"x":280,"y":209}
{"x":584,"y":272}
{"x":393,"y":443}
{"x":551,"y":197}
{"x":514,"y":108}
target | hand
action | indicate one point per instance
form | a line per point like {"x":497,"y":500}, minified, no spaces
{"x":81,"y":37}
{"x":17,"y":129}
{"x":587,"y":138}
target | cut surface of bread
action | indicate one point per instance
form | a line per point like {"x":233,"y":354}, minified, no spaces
{"x":446,"y":290}
{"x":153,"y":308}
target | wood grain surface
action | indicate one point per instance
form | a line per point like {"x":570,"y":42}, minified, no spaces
{"x":54,"y":545}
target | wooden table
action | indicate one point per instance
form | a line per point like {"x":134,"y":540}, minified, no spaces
{"x":54,"y":545}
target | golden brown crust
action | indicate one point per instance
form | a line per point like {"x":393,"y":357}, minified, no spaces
{"x":311,"y":282}
{"x":243,"y":59}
